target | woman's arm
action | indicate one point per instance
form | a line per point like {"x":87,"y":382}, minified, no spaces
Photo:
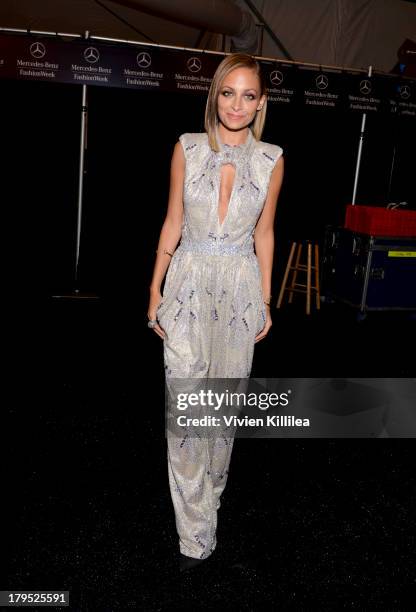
{"x":171,"y":231}
{"x":264,"y":238}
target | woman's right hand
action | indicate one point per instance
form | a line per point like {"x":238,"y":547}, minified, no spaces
{"x":155,"y":299}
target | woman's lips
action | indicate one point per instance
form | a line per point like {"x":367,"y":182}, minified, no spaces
{"x":234,"y":116}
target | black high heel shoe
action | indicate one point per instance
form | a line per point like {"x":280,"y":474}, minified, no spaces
{"x":187,"y":563}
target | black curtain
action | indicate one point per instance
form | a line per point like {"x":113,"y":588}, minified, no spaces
{"x":131,"y":135}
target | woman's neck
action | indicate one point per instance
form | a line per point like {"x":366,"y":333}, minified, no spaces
{"x":234,"y":139}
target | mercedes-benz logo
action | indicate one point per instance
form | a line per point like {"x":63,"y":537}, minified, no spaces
{"x":404,"y":91}
{"x":143,"y":59}
{"x":194,"y":64}
{"x":37,"y":50}
{"x":92,"y":55}
{"x":276,"y":77}
{"x":321,"y":81}
{"x":365,"y":87}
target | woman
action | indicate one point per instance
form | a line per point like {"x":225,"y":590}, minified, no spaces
{"x":224,"y":188}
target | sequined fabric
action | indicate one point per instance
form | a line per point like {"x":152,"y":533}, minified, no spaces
{"x":212,"y":306}
{"x":212,"y":309}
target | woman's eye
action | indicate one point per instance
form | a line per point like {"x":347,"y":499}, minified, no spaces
{"x":251,"y":96}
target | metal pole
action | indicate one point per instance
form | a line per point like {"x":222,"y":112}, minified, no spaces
{"x":81,"y":172}
{"x":84,"y":112}
{"x":360,"y":146}
{"x":393,"y":161}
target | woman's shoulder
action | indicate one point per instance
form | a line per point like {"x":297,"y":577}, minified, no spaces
{"x":269,"y":151}
{"x":191,"y":140}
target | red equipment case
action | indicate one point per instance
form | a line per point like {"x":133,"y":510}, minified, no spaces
{"x":378,"y":221}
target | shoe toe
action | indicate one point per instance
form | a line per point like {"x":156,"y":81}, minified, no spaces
{"x":187,"y":563}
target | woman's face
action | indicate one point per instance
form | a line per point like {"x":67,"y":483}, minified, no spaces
{"x":239,"y":98}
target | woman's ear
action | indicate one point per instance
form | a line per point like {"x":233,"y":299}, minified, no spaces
{"x":261,"y":102}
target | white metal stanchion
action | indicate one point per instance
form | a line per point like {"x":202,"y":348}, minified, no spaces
{"x":77,"y":294}
{"x":360,"y":146}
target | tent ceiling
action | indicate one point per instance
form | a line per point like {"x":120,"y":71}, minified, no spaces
{"x":354,"y":33}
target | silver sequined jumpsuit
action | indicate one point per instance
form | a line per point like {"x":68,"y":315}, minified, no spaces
{"x":212,"y":309}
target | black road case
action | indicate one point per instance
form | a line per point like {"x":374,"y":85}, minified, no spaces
{"x":369,"y":272}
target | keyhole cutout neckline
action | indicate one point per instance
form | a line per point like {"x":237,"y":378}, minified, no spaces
{"x":234,"y":155}
{"x":227,"y":208}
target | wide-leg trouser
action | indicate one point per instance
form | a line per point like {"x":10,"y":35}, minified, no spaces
{"x":212,"y":309}
{"x":198,"y":470}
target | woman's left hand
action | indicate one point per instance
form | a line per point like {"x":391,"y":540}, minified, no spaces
{"x":266,"y":327}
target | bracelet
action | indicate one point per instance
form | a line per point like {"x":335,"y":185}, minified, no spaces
{"x":166,"y":253}
{"x":268,"y":302}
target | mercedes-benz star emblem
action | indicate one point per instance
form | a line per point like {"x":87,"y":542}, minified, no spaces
{"x":143,"y":59}
{"x":37,"y":50}
{"x":321,"y":81}
{"x":194,"y":64}
{"x":276,"y":77}
{"x":365,"y":87}
{"x":404,"y":92}
{"x":92,"y":55}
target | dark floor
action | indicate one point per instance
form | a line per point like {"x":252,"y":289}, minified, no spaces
{"x":324,"y":523}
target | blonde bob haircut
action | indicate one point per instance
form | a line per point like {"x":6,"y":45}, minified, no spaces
{"x":229,"y":63}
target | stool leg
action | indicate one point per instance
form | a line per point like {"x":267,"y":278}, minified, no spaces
{"x":295,"y":273}
{"x":318,"y":292}
{"x":308,"y":281}
{"x":283,"y":287}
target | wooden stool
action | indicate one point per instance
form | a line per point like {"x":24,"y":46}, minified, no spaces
{"x":294,"y":286}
